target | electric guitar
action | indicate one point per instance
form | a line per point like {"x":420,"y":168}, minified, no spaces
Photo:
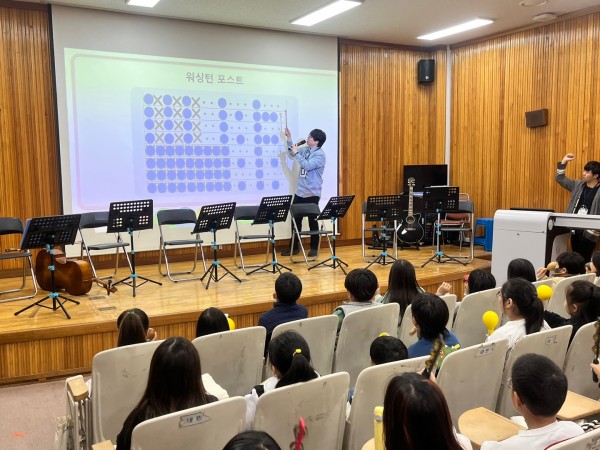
{"x":410,"y":230}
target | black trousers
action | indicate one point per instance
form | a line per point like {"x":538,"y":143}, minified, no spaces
{"x":313,"y":224}
{"x":581,"y":245}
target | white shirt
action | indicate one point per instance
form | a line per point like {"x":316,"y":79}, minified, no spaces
{"x":512,"y":330}
{"x":538,"y":438}
{"x":251,"y":399}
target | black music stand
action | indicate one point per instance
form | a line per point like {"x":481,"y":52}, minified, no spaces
{"x":48,"y":232}
{"x":213,"y":218}
{"x":383,"y":208}
{"x":130,"y":216}
{"x":440,"y":199}
{"x":272,"y":210}
{"x":336,"y":208}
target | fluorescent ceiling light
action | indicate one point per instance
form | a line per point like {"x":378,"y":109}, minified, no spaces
{"x":146,"y":3}
{"x":456,"y":29}
{"x":327,"y":11}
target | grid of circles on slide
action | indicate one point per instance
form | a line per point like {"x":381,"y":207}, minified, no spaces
{"x":212,"y":143}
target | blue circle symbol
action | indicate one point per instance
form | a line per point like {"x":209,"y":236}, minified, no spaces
{"x":275,"y":184}
{"x":258,"y":163}
{"x":266,"y":139}
{"x":200,"y":187}
{"x":242,"y":185}
{"x":259,"y":174}
{"x":223,"y":115}
{"x":167,"y":100}
{"x":257,"y":127}
{"x":188,"y":138}
{"x":240,"y":139}
{"x":274,"y":162}
{"x":256,"y":104}
{"x":239,"y":115}
{"x":169,"y":138}
{"x":222,"y":102}
{"x":149,"y":138}
{"x":187,"y":113}
{"x":168,"y":111}
{"x":151,"y":175}
{"x":256,"y":116}
{"x":223,"y":126}
{"x":274,"y":139}
{"x":241,"y":163}
{"x":148,"y":112}
{"x":274,"y":117}
{"x":257,"y":139}
{"x":265,"y":116}
{"x":148,"y":99}
{"x":149,"y":124}
{"x":170,"y":151}
{"x":260,"y":185}
{"x":152,"y":188}
{"x":150,"y":150}
{"x":160,"y":163}
{"x":186,"y":100}
{"x":258,"y":151}
{"x":187,"y":125}
{"x":224,"y":139}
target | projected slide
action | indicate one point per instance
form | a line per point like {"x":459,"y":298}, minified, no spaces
{"x":189,"y":132}
{"x":223,"y":143}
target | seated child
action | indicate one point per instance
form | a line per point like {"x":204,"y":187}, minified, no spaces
{"x":539,"y":391}
{"x":211,"y":320}
{"x":521,"y":268}
{"x":361,"y":286}
{"x":386,"y":348}
{"x":519,"y":301}
{"x":134,"y":328}
{"x":290,"y":360}
{"x":567,"y":264}
{"x":582,"y":303}
{"x":430,"y":316}
{"x":288,"y":288}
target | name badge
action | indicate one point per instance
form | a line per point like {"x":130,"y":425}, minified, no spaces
{"x":582,"y":211}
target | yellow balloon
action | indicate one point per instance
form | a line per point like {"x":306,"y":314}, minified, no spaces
{"x":544,"y":292}
{"x":490,"y":320}
{"x":231,"y":323}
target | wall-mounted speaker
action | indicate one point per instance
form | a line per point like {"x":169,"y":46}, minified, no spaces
{"x":537,"y":118}
{"x":426,"y":70}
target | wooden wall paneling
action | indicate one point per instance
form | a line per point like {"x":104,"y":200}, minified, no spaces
{"x":494,"y":83}
{"x":29,"y":159}
{"x":387,"y":120}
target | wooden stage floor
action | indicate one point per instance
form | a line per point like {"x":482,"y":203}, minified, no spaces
{"x":41,"y":343}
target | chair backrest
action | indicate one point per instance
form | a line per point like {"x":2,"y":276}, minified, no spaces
{"x":369,"y":393}
{"x":305,"y":209}
{"x":468,"y":325}
{"x":206,"y":426}
{"x":577,"y":362}
{"x":94,"y":219}
{"x":550,"y":343}
{"x":119,"y":379}
{"x":245,"y":212}
{"x":406,"y":326}
{"x":322,"y":404}
{"x":471,"y":377}
{"x":319,"y":333}
{"x":233,"y":358}
{"x":10,"y":225}
{"x":557,"y":300}
{"x":587,"y":441}
{"x":175,"y":216}
{"x":359,"y":329}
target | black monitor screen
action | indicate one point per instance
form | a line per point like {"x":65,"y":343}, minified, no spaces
{"x":425,"y":175}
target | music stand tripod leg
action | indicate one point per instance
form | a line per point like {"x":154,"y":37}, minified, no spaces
{"x":274,"y":263}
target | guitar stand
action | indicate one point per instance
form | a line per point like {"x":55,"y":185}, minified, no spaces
{"x":213,"y":218}
{"x":55,"y":296}
{"x":130,"y":216}
{"x":48,"y":232}
{"x":336,"y":208}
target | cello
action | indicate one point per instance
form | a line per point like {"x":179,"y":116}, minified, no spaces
{"x":74,"y":276}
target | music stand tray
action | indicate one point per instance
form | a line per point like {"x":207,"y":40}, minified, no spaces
{"x":438,"y":199}
{"x":213,"y":218}
{"x":130,"y":216}
{"x":336,"y":208}
{"x":270,"y":211}
{"x":382,"y":208}
{"x":47,"y":233}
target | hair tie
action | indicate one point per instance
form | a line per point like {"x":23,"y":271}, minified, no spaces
{"x":298,"y":351}
{"x":131,"y":311}
{"x":383,"y":334}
